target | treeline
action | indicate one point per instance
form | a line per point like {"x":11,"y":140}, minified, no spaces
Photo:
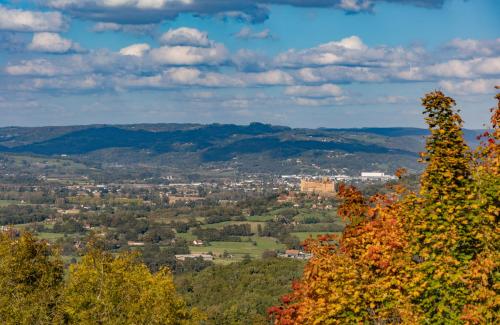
{"x":18,"y":214}
{"x":239,"y":293}
{"x":227,"y":233}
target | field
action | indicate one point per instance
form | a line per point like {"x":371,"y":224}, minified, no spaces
{"x":239,"y":249}
{"x":220,"y":225}
{"x":4,"y":203}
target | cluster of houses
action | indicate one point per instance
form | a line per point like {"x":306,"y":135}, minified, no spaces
{"x":295,"y":254}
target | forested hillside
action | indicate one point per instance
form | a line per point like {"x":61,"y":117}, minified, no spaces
{"x":253,"y":148}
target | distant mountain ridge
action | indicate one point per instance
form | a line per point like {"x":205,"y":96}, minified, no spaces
{"x":218,"y":143}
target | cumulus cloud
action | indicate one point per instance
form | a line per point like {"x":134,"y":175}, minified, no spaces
{"x":18,"y":20}
{"x":154,"y":11}
{"x":67,"y":84}
{"x":328,"y":101}
{"x":272,"y":77}
{"x":470,"y":87}
{"x":189,"y":55}
{"x":73,"y":65}
{"x":250,"y":61}
{"x":248,"y":33}
{"x":342,"y":74}
{"x":185,"y":36}
{"x":181,"y":76}
{"x":310,"y":77}
{"x":135,"y":50}
{"x":37,"y":67}
{"x":126,"y":28}
{"x":349,"y":51}
{"x":52,"y":43}
{"x":460,"y":69}
{"x":322,"y":91}
{"x":470,"y":48}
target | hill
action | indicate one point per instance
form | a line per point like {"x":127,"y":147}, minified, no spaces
{"x":255,"y":147}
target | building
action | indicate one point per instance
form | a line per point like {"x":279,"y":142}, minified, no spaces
{"x":198,"y":242}
{"x":325,"y":186}
{"x":135,"y":243}
{"x":296,"y":254}
{"x":365,"y":176}
{"x":372,"y":174}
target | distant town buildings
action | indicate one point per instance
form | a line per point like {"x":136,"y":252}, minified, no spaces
{"x":324,"y":186}
{"x":295,"y":254}
{"x":376,"y":176}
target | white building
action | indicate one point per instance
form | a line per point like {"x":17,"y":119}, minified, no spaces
{"x":373,"y":174}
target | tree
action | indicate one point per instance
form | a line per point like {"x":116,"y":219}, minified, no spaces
{"x":31,"y":275}
{"x":408,"y":258}
{"x":450,"y":219}
{"x":103,"y":289}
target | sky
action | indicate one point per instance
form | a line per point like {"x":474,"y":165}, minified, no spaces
{"x":300,"y":63}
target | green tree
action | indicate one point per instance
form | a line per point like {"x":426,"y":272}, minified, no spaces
{"x":446,"y":225}
{"x":408,"y":258}
{"x":103,"y":289}
{"x":31,"y":274}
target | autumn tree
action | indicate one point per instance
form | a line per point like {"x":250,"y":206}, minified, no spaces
{"x":429,"y":257}
{"x":103,"y":289}
{"x":452,"y":221}
{"x":359,"y":277}
{"x":31,"y":275}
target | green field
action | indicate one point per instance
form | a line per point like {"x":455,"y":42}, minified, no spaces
{"x":4,"y":203}
{"x":262,"y":218}
{"x":49,"y":235}
{"x":220,"y":225}
{"x":239,"y":249}
{"x":187,"y":236}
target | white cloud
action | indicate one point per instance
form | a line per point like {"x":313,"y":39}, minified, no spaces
{"x":469,"y":48}
{"x":38,"y":67}
{"x":189,"y":55}
{"x":461,"y":69}
{"x":126,"y":28}
{"x":322,"y":91}
{"x":350,"y":51}
{"x":31,"y":21}
{"x":179,"y":77}
{"x":342,"y":74}
{"x":185,"y":36}
{"x":272,"y":77}
{"x":73,"y":65}
{"x":356,"y":5}
{"x":329,"y":101}
{"x":135,"y":50}
{"x":52,"y":43}
{"x":470,"y":87}
{"x":248,"y":33}
{"x":71,"y":84}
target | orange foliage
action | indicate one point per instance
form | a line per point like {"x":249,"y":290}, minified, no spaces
{"x":408,"y":258}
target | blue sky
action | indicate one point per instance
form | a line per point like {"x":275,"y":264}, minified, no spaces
{"x":302,"y":63}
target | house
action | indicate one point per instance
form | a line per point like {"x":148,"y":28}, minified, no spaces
{"x":10,"y":231}
{"x":296,"y":254}
{"x":135,"y":243}
{"x":198,"y":242}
